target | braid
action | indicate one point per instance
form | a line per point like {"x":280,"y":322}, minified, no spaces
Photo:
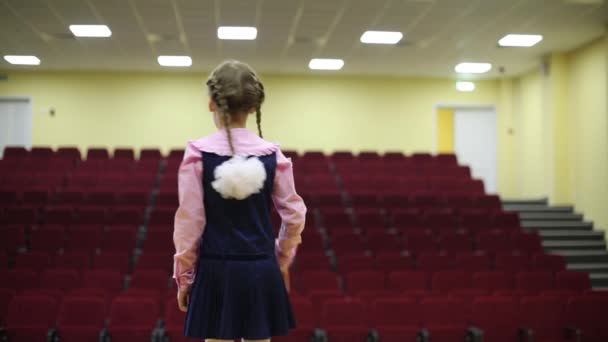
{"x":258,"y":120}
{"x":219,"y":98}
{"x":261,"y":96}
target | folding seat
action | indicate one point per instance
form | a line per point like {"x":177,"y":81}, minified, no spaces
{"x":338,"y":217}
{"x":60,"y":279}
{"x":47,"y":238}
{"x":474,"y":187}
{"x":574,"y":281}
{"x":132,"y":216}
{"x":20,"y":216}
{"x":19,"y":279}
{"x":159,"y":217}
{"x":15,"y":152}
{"x":159,"y":239}
{"x":395,"y":201}
{"x":150,"y":279}
{"x":588,"y":315}
{"x":68,"y":199}
{"x":68,"y":152}
{"x":455,"y":242}
{"x":150,"y":154}
{"x":393,"y":261}
{"x":318,"y":280}
{"x":473,"y":262}
{"x":330,"y":199}
{"x":368,"y":156}
{"x":446,"y":160}
{"x":491,"y":281}
{"x":30,"y":318}
{"x":422,"y":158}
{"x":351,"y":262}
{"x":382,"y":242}
{"x":528,"y":242}
{"x":344,"y":320}
{"x":512,"y":262}
{"x":493,"y":242}
{"x":174,"y":322}
{"x":458,"y":201}
{"x":369,"y":218}
{"x":85,"y":238}
{"x":95,"y":215}
{"x":81,"y":318}
{"x":12,"y":238}
{"x":425,"y":200}
{"x":475,"y":221}
{"x":109,"y":280}
{"x":365,"y":200}
{"x":534,"y":282}
{"x":507,"y":221}
{"x":408,"y":281}
{"x":497,"y":317}
{"x":365,"y":280}
{"x":35,"y":198}
{"x":396,"y":319}
{"x":35,"y":261}
{"x":491,"y":202}
{"x":112,"y":261}
{"x":417,"y":241}
{"x":544,"y":318}
{"x":9,"y":198}
{"x":72,"y":260}
{"x":548,"y":262}
{"x":441,"y":222}
{"x":443,"y":318}
{"x":407,"y":219}
{"x":447,"y":281}
{"x":98,"y":153}
{"x":133,"y":319}
{"x":434,"y":262}
{"x":152,"y":260}
{"x":60,"y":216}
{"x":347,"y":243}
{"x":120,"y":239}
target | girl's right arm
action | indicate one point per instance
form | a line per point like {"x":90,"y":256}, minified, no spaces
{"x":292,"y":210}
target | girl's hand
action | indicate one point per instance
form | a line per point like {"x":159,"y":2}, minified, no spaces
{"x":183,"y":299}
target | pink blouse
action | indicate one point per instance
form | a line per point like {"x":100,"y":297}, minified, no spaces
{"x":190,"y":216}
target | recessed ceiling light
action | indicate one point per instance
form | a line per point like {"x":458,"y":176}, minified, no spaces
{"x":90,"y":30}
{"x":465,"y":86}
{"x":381,"y":37}
{"x":237,"y":32}
{"x":175,"y":61}
{"x":473,"y":68}
{"x":22,"y":60}
{"x":523,"y":40}
{"x":326,"y":64}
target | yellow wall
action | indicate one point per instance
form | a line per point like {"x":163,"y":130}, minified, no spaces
{"x":166,"y":109}
{"x":588,"y":122}
{"x":445,"y":130}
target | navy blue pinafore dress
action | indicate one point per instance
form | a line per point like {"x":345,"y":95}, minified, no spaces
{"x":238,"y":291}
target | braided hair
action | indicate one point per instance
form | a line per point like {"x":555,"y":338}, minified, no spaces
{"x":235,"y":88}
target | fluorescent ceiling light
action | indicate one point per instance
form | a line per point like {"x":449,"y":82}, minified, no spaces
{"x":465,"y":86}
{"x":473,"y":68}
{"x":90,"y":30}
{"x":22,"y":60}
{"x":175,"y":61}
{"x":325,"y":64}
{"x":523,"y":40}
{"x":381,"y":37}
{"x":237,"y":32}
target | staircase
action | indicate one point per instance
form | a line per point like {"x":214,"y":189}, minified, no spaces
{"x":566,"y":233}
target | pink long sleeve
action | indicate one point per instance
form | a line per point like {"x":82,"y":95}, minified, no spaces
{"x":189,"y":218}
{"x":292,"y":210}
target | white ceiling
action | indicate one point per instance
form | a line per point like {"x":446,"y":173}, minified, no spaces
{"x":438,"y":33}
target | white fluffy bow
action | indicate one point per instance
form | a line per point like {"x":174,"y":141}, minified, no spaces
{"x":239,"y":177}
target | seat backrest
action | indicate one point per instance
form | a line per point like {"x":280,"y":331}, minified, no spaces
{"x":434,"y":262}
{"x":575,"y":281}
{"x":61,"y":279}
{"x":534,"y":281}
{"x":303,"y":310}
{"x":19,"y":279}
{"x":442,"y":312}
{"x":548,"y":262}
{"x":77,"y":311}
{"x":450,"y":280}
{"x":493,"y":280}
{"x":342,"y":312}
{"x":134,"y":312}
{"x":318,"y":280}
{"x":108,"y":280}
{"x":496,"y":313}
{"x":32,"y":311}
{"x":395,"y":312}
{"x":408,"y":281}
{"x":544,"y":315}
{"x":365,"y":280}
{"x":150,"y":279}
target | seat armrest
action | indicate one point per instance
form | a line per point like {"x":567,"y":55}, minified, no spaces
{"x":525,"y":335}
{"x":318,"y":335}
{"x":423,"y":336}
{"x":573,"y":334}
{"x":474,"y":334}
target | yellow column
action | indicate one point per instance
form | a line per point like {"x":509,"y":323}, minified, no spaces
{"x":445,"y":130}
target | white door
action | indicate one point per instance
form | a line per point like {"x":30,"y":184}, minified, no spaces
{"x":15,"y":123}
{"x":475,"y":143}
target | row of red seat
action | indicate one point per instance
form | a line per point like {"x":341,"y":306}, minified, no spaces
{"x":66,"y":214}
{"x":369,"y":280}
{"x":99,"y":153}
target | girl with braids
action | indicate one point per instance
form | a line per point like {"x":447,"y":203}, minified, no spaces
{"x":228,"y":265}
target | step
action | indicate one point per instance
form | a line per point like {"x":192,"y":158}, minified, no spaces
{"x":574,"y":256}
{"x":574,"y":235}
{"x":574,"y":245}
{"x":589,"y":267}
{"x":557,"y":225}
{"x":549,"y":216}
{"x":535,"y":208}
{"x":541,"y":201}
{"x":599,"y":279}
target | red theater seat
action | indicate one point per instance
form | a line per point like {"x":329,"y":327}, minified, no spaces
{"x":30,"y":318}
{"x":450,"y":280}
{"x":473,"y":262}
{"x":548,"y":262}
{"x":132,"y":319}
{"x":35,"y":261}
{"x":492,"y":281}
{"x":108,"y":280}
{"x":81,"y":318}
{"x":534,"y":282}
{"x":365,"y":280}
{"x":588,"y":314}
{"x":498,"y":318}
{"x":573,"y":281}
{"x":545,"y":317}
{"x":60,"y":279}
{"x":396,"y":319}
{"x":344,"y":320}
{"x":319,"y":280}
{"x":403,"y":281}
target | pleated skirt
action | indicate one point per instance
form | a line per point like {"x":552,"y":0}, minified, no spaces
{"x":232,"y":299}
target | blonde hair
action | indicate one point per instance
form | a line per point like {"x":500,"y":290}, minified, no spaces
{"x":236,"y":88}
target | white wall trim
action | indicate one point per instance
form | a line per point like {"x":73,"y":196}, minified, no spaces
{"x":455,"y":106}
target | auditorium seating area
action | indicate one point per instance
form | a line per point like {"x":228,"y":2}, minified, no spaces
{"x":395,"y":248}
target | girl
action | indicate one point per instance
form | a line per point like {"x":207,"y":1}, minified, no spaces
{"x":228,"y":265}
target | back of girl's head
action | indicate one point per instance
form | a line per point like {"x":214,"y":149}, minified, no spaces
{"x":236,"y":89}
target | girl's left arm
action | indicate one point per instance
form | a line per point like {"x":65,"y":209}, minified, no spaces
{"x":189,"y":218}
